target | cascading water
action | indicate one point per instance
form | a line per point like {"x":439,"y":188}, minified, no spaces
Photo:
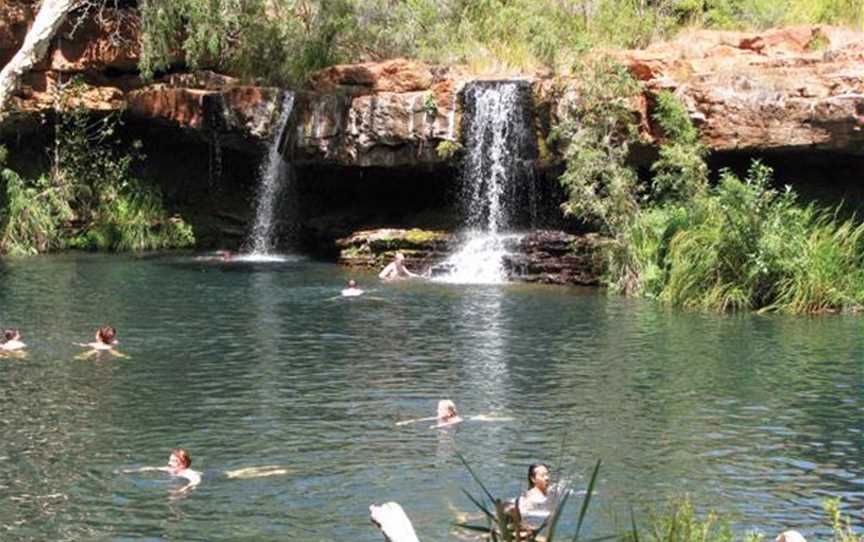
{"x":274,"y":176}
{"x":497,"y":170}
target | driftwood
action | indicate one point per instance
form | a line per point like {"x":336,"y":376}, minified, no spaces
{"x":394,"y":524}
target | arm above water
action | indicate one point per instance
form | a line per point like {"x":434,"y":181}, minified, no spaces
{"x":145,"y":469}
{"x":193,"y":477}
{"x":388,"y":271}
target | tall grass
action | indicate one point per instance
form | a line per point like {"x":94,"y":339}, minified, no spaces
{"x":746,"y":246}
{"x":740,"y":244}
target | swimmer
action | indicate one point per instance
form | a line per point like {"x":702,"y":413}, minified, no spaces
{"x":224,"y":255}
{"x":396,"y":269}
{"x":352,"y":290}
{"x":447,"y":413}
{"x":534,"y":506}
{"x":179,"y":465}
{"x":13,"y":341}
{"x":106,"y":339}
{"x":540,"y":499}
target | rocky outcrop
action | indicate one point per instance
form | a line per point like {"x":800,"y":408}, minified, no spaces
{"x":549,"y":257}
{"x":787,"y":88}
{"x":375,"y":248}
{"x":554,"y":257}
{"x":782,"y":89}
{"x":377,"y":114}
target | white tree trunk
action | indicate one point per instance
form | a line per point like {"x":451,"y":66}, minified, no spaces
{"x":51,"y":15}
{"x":394,"y":524}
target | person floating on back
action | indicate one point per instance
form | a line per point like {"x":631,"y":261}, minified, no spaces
{"x":396,"y":269}
{"x":13,"y":341}
{"x":352,"y":290}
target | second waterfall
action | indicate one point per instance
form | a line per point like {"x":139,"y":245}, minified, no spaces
{"x":274,"y":176}
{"x":497,"y":179}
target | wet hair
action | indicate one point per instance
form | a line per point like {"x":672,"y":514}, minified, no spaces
{"x":107,"y":334}
{"x":183,"y":456}
{"x":448,"y":406}
{"x":532,"y":470}
{"x":11,"y":334}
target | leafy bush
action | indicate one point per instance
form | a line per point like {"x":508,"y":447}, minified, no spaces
{"x":842,"y":526}
{"x":33,"y":214}
{"x":679,"y":522}
{"x":597,"y":132}
{"x":90,"y":199}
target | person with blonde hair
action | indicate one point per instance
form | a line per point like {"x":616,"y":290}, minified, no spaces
{"x":447,"y":413}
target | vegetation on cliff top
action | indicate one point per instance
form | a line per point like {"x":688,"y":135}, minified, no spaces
{"x":281,"y":41}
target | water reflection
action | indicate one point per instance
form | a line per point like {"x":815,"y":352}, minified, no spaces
{"x":248,"y":365}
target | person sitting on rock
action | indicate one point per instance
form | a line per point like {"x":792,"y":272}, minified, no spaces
{"x":396,"y":269}
{"x":13,"y":341}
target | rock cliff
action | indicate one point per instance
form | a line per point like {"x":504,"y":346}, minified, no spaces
{"x":785,"y":88}
{"x":377,"y":144}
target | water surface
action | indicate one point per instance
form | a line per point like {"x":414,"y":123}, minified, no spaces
{"x":262,"y":363}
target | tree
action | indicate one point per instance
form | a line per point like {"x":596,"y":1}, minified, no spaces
{"x":52,"y":14}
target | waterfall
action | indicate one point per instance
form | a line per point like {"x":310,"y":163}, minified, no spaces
{"x":497,"y":174}
{"x":274,"y":175}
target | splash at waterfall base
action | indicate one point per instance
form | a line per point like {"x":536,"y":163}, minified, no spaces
{"x":543,"y":256}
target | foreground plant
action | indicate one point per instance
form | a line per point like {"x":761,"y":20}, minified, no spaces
{"x":679,"y":522}
{"x":503,"y":524}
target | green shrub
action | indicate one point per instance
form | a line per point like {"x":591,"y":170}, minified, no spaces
{"x":680,"y":172}
{"x":90,"y":199}
{"x":597,"y":132}
{"x":679,"y":522}
{"x":33,"y":215}
{"x":842,"y":526}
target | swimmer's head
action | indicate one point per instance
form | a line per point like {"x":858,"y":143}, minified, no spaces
{"x":446,"y":409}
{"x":179,"y":459}
{"x":12,"y":334}
{"x":106,"y":335}
{"x":399,"y":257}
{"x":352,"y":283}
{"x":538,"y":476}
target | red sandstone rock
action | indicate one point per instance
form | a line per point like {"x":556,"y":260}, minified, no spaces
{"x":398,"y":75}
{"x":782,"y":88}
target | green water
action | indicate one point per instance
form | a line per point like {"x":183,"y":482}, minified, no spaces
{"x":248,"y":365}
